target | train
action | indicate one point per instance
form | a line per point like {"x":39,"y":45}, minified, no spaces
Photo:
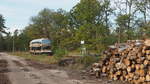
{"x":40,"y":46}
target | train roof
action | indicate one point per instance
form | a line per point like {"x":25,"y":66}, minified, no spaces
{"x":42,"y":40}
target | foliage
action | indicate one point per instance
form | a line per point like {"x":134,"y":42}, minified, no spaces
{"x":2,"y":24}
{"x":59,"y":53}
{"x":40,"y":58}
{"x":87,"y":60}
{"x":86,"y":12}
{"x":2,"y":31}
{"x":98,"y":22}
{"x":145,"y":30}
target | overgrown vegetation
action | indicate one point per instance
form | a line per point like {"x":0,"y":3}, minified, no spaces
{"x":87,"y":60}
{"x":98,"y":22}
{"x":59,"y":54}
{"x":40,"y":58}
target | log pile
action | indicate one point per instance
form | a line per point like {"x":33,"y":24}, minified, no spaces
{"x":126,"y":62}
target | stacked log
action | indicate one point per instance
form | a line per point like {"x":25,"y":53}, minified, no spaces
{"x":126,"y":62}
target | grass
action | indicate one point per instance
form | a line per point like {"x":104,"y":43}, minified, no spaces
{"x":40,"y":58}
{"x":87,"y":60}
{"x":81,"y":62}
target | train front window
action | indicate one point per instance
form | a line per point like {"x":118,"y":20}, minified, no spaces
{"x":36,"y":48}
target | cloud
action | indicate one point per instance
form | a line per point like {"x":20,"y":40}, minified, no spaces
{"x":18,"y":12}
{"x":14,"y":16}
{"x":52,"y":4}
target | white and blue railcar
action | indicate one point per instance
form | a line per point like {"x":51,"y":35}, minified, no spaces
{"x":40,"y":46}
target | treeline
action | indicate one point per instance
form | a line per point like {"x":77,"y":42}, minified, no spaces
{"x":98,"y":22}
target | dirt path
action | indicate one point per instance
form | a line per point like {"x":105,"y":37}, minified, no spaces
{"x":21,"y":72}
{"x":16,"y":70}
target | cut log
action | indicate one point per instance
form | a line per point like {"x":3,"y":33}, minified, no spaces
{"x":128,"y":62}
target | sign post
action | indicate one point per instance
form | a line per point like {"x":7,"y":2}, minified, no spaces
{"x":83,"y":49}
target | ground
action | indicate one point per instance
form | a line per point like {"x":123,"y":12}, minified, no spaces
{"x":16,"y":70}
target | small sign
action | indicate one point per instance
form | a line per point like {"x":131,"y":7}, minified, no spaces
{"x":82,"y":42}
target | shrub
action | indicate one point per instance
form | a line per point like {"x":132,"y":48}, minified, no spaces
{"x":59,"y":53}
{"x":87,"y":60}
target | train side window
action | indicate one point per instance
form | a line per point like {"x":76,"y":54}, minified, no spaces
{"x":36,"y":48}
{"x":46,"y":47}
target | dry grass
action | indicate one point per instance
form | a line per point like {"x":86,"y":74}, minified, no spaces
{"x":40,"y":58}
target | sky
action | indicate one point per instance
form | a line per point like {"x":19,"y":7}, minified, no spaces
{"x":17,"y":13}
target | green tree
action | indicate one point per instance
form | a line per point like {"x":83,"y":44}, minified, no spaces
{"x":87,"y":11}
{"x":122,"y":27}
{"x":143,"y":7}
{"x":2,"y":24}
{"x":2,"y":30}
{"x":145,"y":30}
{"x":42,"y":23}
{"x":49,"y":24}
{"x":90,"y":19}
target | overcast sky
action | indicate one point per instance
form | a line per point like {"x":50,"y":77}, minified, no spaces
{"x":18,"y":12}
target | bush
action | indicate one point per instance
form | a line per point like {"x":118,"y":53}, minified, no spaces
{"x":60,"y":53}
{"x":88,"y":60}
